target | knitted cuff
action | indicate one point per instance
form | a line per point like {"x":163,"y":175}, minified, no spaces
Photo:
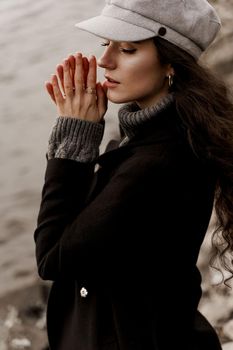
{"x":75,"y":139}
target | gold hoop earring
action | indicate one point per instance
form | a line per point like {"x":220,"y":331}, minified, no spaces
{"x":170,"y":80}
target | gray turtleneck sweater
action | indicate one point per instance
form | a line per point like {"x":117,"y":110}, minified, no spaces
{"x":79,"y":140}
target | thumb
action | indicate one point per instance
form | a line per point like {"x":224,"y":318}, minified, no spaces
{"x":49,"y":88}
{"x":102,"y":101}
{"x":105,"y":87}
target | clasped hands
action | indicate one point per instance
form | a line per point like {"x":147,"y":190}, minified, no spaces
{"x":75,"y":91}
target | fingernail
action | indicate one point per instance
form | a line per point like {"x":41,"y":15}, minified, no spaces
{"x":67,"y":63}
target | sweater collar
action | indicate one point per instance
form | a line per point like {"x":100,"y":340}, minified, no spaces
{"x":131,"y":117}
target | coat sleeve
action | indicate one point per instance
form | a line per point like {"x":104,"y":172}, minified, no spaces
{"x":64,"y":192}
{"x":73,"y":239}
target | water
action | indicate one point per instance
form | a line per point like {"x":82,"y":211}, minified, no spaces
{"x":34,"y":37}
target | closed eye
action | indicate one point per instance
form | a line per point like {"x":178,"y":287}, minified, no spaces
{"x":104,"y":44}
{"x":129,"y":51}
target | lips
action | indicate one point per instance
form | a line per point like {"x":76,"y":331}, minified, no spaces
{"x":111,"y":80}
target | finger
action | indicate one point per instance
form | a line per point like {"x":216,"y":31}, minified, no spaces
{"x":71,"y":60}
{"x":85,"y":69}
{"x":102,"y":101}
{"x":68,"y":84}
{"x":105,"y":87}
{"x":79,"y":73}
{"x":56,"y":90}
{"x":49,"y":88}
{"x":91,"y":76}
{"x":60,"y":74}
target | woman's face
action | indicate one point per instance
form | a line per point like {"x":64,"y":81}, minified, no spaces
{"x":133,"y":72}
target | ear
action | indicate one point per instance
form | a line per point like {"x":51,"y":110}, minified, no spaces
{"x":170,"y":70}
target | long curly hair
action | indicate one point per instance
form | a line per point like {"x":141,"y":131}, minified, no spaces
{"x":204,"y":104}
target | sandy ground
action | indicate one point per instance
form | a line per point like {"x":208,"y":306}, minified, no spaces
{"x":35,"y":36}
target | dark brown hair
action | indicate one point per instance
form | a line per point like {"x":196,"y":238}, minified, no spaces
{"x":204,"y":105}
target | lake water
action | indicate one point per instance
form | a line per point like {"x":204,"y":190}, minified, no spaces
{"x":34,"y":37}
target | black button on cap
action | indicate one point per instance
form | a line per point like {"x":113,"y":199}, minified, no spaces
{"x":162,"y":31}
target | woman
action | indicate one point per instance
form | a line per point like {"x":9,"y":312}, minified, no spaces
{"x":120,"y":233}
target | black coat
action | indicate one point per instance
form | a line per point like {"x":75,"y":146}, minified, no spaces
{"x":121,"y":244}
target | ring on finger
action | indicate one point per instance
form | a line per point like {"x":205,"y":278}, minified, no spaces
{"x":64,"y":94}
{"x":90,"y":90}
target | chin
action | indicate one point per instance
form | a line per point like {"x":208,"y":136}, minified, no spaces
{"x":118,"y":99}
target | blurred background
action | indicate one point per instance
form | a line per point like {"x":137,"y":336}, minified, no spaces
{"x":34,"y":37}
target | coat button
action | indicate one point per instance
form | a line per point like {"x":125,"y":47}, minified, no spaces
{"x":83,"y":292}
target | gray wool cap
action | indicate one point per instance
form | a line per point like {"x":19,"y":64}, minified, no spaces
{"x":189,"y":24}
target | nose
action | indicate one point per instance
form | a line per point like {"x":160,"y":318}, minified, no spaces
{"x":107,"y":60}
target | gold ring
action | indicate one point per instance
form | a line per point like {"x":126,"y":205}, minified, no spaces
{"x":64,"y":94}
{"x":90,"y":90}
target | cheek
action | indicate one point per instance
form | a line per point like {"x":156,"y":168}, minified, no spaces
{"x":144,"y":76}
{"x":138,"y":79}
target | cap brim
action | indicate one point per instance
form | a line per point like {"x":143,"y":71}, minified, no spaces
{"x":114,"y":29}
